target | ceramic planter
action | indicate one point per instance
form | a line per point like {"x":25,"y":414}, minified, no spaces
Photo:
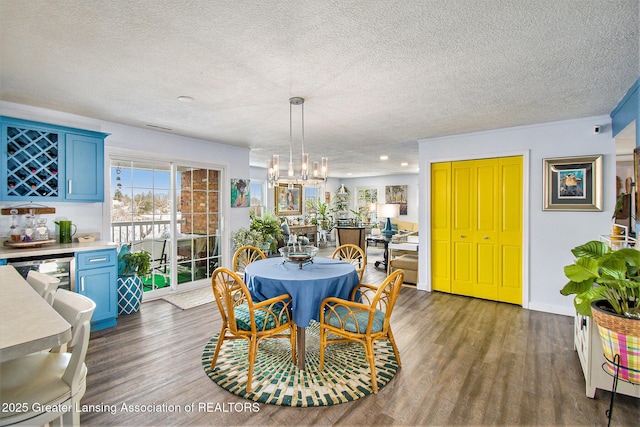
{"x":129,"y":294}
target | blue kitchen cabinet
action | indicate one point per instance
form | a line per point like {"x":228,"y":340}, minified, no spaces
{"x":84,"y":158}
{"x":51,"y":163}
{"x":97,"y":278}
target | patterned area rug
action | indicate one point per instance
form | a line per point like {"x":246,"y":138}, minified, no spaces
{"x":190,"y":299}
{"x":277,"y":381}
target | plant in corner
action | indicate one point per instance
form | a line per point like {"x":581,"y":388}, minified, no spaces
{"x":606,"y":285}
{"x":131,"y":267}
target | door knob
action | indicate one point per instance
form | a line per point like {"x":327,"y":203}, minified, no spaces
{"x":462,"y":236}
{"x":486,"y":237}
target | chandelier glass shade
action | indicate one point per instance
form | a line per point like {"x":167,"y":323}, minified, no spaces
{"x":314,"y":174}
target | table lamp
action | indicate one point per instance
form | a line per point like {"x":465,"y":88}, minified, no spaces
{"x":388,"y":211}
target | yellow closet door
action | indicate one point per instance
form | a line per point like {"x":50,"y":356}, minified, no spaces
{"x":462,"y":228}
{"x":510,"y":289}
{"x":441,"y":227}
{"x":485,"y":213}
{"x":476,"y":228}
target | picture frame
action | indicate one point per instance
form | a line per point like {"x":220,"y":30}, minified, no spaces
{"x":636,"y":179}
{"x":397,"y":194}
{"x":572,"y":183}
{"x":240,"y":197}
{"x":288,"y":201}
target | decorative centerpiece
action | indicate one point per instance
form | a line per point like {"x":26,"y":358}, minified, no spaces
{"x":300,"y":254}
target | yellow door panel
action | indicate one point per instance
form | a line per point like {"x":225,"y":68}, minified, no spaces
{"x":486,"y":232}
{"x":462,"y":259}
{"x":441,"y":265}
{"x":511,"y":230}
{"x":441,"y":227}
{"x":487,"y":195}
{"x":486,"y":285}
{"x":461,"y":175}
{"x":441,"y":197}
{"x":462,"y":227}
{"x":511,"y":286}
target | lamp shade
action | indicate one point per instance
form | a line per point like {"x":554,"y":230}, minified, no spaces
{"x":388,"y":210}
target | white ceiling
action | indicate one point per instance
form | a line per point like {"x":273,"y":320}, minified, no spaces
{"x":376,"y":75}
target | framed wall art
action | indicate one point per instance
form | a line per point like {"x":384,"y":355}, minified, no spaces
{"x":397,"y":194}
{"x":572,"y":183}
{"x":240,"y":193}
{"x":288,"y":201}
{"x":636,"y":179}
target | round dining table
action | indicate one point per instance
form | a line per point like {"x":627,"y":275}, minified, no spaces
{"x":308,"y":287}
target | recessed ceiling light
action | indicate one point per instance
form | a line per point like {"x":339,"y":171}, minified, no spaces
{"x":384,"y":157}
{"x":185,"y":99}
{"x":404,"y":164}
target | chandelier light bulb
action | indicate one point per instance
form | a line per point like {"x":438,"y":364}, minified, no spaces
{"x":276,"y":166}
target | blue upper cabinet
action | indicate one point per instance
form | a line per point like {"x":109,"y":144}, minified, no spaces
{"x":49,"y":162}
{"x":84,"y":166}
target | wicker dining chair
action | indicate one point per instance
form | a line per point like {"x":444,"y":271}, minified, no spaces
{"x":244,"y":256}
{"x":352,"y":254}
{"x":365,"y":318}
{"x":244,"y":319}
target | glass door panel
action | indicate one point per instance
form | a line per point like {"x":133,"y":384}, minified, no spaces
{"x":197,"y":193}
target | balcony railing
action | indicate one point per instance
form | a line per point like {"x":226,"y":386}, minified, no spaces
{"x":127,"y":232}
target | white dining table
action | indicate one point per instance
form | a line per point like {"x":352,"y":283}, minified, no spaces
{"x":27,"y":323}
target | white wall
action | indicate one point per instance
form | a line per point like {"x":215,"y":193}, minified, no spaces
{"x":548,"y":236}
{"x":150,"y":144}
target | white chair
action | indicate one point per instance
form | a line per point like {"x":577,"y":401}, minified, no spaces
{"x":43,"y":284}
{"x":49,"y":381}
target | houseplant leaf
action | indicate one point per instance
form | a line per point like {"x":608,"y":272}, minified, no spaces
{"x":594,"y":249}
{"x":582,"y":269}
{"x":576,"y":287}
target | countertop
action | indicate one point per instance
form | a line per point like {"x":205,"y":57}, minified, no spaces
{"x":55,"y":248}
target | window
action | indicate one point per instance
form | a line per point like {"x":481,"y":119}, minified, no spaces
{"x":183,"y":241}
{"x":257,"y":202}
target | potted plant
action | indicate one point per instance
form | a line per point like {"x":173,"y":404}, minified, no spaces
{"x":131,"y":267}
{"x":606,"y":285}
{"x":321,"y":214}
{"x":244,"y":236}
{"x":268,"y":225}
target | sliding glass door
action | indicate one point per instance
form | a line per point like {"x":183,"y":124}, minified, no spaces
{"x":198,"y":222}
{"x":171,"y":211}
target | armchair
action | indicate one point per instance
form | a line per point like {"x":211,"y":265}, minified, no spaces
{"x":244,"y":319}
{"x":365,"y":318}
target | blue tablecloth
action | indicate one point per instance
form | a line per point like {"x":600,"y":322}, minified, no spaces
{"x":308,"y":286}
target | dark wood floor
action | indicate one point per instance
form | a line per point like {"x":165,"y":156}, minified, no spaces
{"x":465,"y":362}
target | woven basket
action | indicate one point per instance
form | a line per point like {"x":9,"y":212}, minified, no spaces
{"x":619,"y":335}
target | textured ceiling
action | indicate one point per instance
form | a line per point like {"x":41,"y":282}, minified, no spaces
{"x":376,"y":75}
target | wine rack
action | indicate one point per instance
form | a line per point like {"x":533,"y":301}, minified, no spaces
{"x":32,"y":162}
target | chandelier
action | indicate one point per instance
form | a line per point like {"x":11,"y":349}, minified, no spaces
{"x":315,"y":174}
